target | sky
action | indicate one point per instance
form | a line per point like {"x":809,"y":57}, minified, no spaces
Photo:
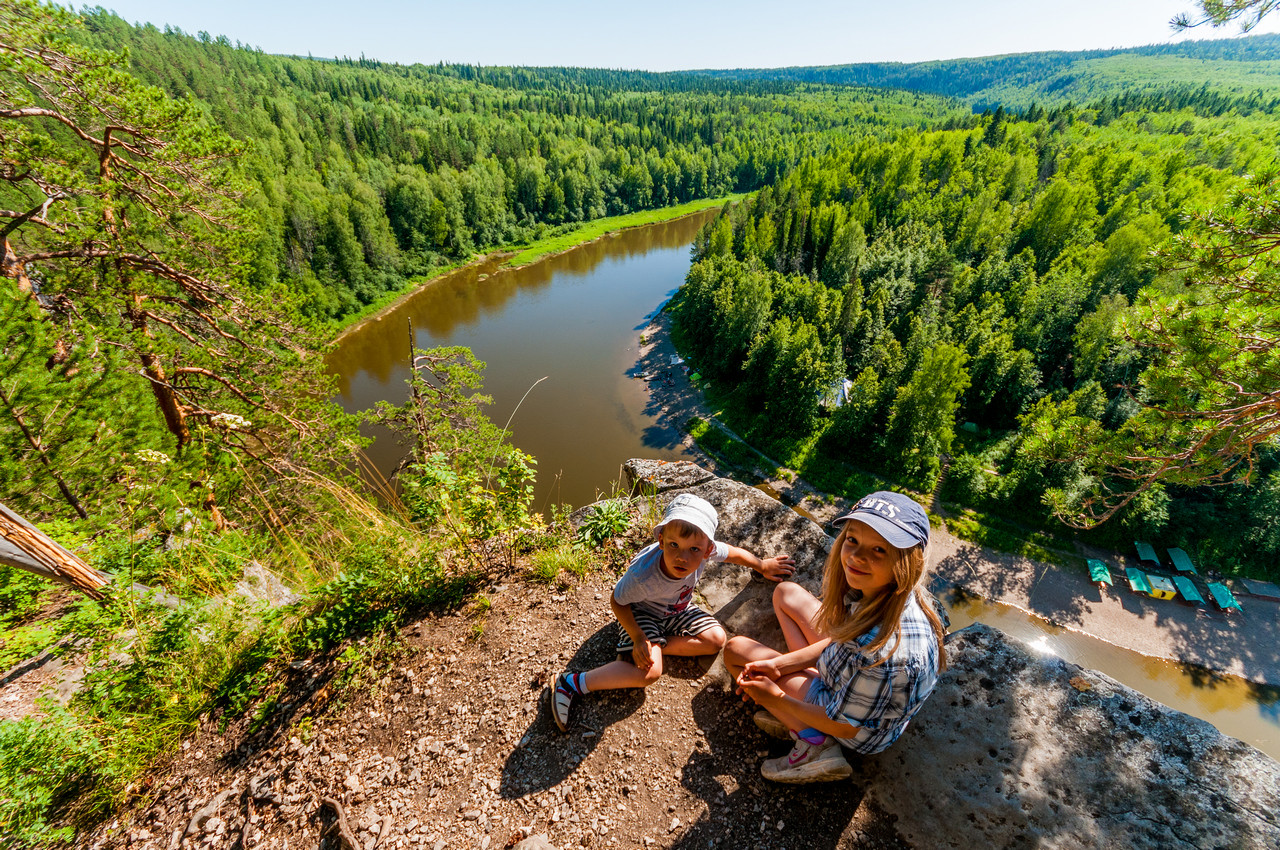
{"x":672,"y":35}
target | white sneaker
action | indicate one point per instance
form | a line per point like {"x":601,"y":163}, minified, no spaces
{"x":561,"y":698}
{"x":809,"y":763}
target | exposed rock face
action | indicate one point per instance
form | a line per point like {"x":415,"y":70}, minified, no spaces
{"x":258,"y":584}
{"x":1012,"y":750}
{"x":739,"y":597}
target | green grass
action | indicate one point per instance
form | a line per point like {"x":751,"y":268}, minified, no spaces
{"x":547,"y":565}
{"x":994,"y":533}
{"x":714,"y":440}
{"x":600,"y":226}
{"x":23,"y":642}
{"x":410,"y":285}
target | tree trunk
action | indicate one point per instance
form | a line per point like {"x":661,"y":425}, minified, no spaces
{"x":12,"y":267}
{"x":175,"y":414}
{"x":26,"y":547}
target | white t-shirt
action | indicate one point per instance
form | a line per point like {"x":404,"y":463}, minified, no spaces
{"x":645,"y":586}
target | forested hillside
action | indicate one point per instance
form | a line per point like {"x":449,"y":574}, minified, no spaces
{"x":980,"y":276}
{"x":186,"y":220}
{"x":367,"y":173}
{"x":1242,"y":68}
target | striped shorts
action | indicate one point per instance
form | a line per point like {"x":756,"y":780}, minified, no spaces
{"x":687,"y":623}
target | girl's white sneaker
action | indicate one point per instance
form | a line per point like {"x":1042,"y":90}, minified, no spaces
{"x":807,"y":762}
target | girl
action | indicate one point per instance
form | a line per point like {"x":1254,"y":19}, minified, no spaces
{"x":862,"y":660}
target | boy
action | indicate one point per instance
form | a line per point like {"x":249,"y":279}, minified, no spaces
{"x":652,"y":603}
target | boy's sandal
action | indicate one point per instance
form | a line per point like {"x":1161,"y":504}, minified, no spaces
{"x":561,"y":698}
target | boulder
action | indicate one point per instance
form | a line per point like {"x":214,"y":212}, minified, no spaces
{"x":1016,"y":750}
{"x":259,"y":584}
{"x":740,"y":598}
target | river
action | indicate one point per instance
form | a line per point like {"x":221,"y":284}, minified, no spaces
{"x":575,"y":319}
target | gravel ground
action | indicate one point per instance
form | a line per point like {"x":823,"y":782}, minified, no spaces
{"x":453,"y":747}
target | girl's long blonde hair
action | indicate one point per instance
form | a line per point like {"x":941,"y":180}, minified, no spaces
{"x":885,"y":610}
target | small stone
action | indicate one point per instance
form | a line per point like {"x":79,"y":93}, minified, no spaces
{"x":675,"y":824}
{"x":473,"y":814}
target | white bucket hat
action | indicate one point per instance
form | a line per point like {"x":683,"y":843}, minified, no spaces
{"x":692,"y":509}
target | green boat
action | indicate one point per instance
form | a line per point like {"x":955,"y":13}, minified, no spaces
{"x":1181,"y":561}
{"x":1188,"y":590}
{"x":1224,"y":597}
{"x":1138,"y":580}
{"x":1146,"y":553}
{"x":1099,"y":572}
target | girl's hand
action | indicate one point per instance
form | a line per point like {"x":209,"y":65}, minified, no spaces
{"x":767,"y":668}
{"x":756,"y":687}
{"x":642,"y":654}
{"x":776,"y":569}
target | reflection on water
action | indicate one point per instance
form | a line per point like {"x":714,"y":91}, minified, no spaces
{"x":573,"y":319}
{"x":1237,"y":707}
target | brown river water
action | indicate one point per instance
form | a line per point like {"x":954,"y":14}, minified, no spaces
{"x":575,"y":319}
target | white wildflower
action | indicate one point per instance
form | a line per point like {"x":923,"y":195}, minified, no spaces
{"x":151,"y":456}
{"x":230,"y":420}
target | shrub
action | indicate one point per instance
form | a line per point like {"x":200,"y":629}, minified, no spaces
{"x":45,"y":763}
{"x":606,"y":520}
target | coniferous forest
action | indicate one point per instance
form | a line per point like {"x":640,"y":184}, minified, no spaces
{"x":987,"y":281}
{"x":1043,"y":285}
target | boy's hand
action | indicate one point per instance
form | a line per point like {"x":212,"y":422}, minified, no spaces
{"x":642,"y":654}
{"x":776,"y":569}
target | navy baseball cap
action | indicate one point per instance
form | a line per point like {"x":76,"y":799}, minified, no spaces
{"x":897,"y":518}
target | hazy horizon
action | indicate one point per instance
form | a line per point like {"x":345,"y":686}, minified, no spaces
{"x":670,"y":36}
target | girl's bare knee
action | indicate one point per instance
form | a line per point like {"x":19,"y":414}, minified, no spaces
{"x":734,"y":648}
{"x":790,"y":598}
{"x":739,"y":650}
{"x":783,"y":592}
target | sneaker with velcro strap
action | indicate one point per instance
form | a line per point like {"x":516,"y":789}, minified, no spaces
{"x":807,"y":762}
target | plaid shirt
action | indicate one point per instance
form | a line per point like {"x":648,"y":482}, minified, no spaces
{"x":879,"y":701}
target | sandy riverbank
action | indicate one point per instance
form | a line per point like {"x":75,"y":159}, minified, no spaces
{"x":1246,"y":645}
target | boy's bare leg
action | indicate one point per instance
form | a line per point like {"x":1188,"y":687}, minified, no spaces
{"x":624,"y":674}
{"x":706,"y":643}
{"x":796,"y":609}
